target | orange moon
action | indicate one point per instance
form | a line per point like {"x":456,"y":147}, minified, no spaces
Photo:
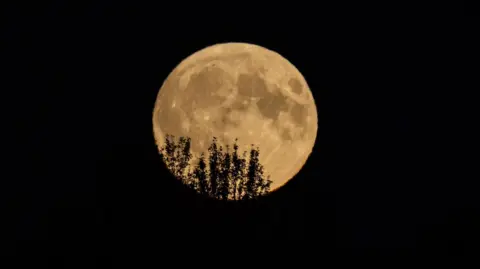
{"x":244,"y":91}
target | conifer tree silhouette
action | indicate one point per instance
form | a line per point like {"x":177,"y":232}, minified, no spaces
{"x":238,"y":172}
{"x":214,"y":165}
{"x":225,"y":178}
{"x":183,"y":156}
{"x":201,"y":176}
{"x":251,"y":174}
{"x":225,"y":175}
{"x":169,"y":153}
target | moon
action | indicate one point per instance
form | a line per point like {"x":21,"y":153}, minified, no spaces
{"x":244,"y":91}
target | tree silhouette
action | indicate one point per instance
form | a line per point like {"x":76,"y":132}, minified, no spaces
{"x":215,"y":166}
{"x":224,"y":176}
{"x":255,"y":185}
{"x":201,"y":177}
{"x":177,"y":156}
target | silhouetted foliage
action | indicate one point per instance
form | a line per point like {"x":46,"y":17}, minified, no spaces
{"x":225,"y":175}
{"x":200,"y":177}
{"x":215,"y":166}
{"x":255,"y":184}
{"x":177,"y":156}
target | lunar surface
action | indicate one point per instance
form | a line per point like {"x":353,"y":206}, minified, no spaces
{"x":244,"y":91}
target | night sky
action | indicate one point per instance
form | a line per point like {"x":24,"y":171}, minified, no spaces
{"x":85,"y":174}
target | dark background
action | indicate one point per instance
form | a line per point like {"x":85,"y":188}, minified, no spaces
{"x":470,"y":8}
{"x":83,"y":172}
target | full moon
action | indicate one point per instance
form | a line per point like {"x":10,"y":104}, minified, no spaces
{"x":244,"y":91}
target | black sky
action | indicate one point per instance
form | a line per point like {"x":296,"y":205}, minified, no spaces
{"x":82,"y":83}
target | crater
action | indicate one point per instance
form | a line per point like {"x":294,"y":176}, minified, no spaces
{"x":295,"y":85}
